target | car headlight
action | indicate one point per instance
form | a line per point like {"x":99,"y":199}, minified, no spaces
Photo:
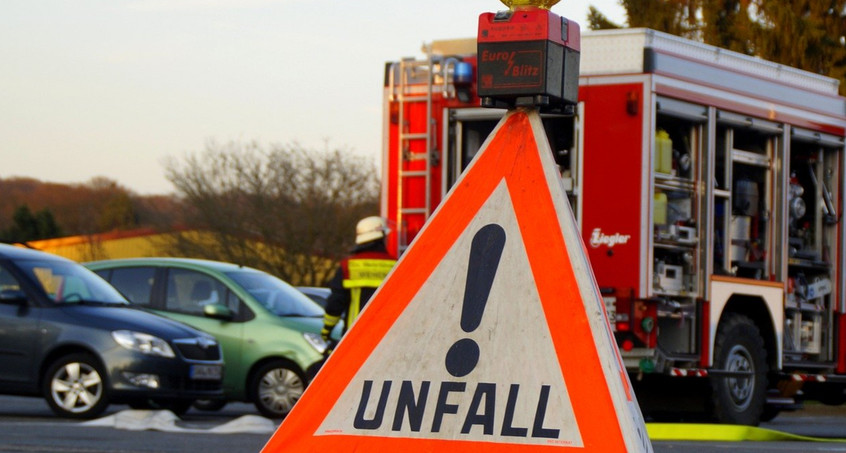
{"x":316,"y":341}
{"x":143,"y":343}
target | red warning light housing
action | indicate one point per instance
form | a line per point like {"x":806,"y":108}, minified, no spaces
{"x":528,"y":56}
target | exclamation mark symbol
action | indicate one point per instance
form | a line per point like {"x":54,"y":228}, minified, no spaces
{"x":485,"y":252}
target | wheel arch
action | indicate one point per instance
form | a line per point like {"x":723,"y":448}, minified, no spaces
{"x":762,"y":302}
{"x":66,"y":350}
{"x":251,"y":375}
{"x":756,"y":309}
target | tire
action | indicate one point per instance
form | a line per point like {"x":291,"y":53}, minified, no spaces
{"x":827,"y":393}
{"x":74,"y":387}
{"x":739,"y":347}
{"x":769,"y":414}
{"x":276,"y":387}
{"x":209,"y":405}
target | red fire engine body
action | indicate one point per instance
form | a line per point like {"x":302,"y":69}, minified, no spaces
{"x":708,"y":186}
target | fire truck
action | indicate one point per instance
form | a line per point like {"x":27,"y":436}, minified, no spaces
{"x":708,"y":188}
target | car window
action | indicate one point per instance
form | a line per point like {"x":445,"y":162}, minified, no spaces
{"x":233,"y":302}
{"x":136,"y":283}
{"x":67,"y":282}
{"x":318,"y":295}
{"x":8,"y":282}
{"x":274,"y":294}
{"x":189,"y":291}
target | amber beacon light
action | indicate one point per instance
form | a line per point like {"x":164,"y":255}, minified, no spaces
{"x":545,"y":4}
{"x":528,"y":56}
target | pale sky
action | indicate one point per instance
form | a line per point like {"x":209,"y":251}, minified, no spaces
{"x":113,"y":87}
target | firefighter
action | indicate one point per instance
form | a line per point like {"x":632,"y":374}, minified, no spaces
{"x":359,"y":275}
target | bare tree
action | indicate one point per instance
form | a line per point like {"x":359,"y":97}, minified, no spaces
{"x":286,"y":209}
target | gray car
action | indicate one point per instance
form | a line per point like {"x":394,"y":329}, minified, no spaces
{"x":318,"y":294}
{"x":68,"y":336}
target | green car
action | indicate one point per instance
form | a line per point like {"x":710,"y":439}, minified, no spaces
{"x":269,"y":331}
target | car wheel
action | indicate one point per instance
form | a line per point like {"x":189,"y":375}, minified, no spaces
{"x":74,"y":387}
{"x":209,"y":405}
{"x":276,"y":387}
{"x":739,"y":348}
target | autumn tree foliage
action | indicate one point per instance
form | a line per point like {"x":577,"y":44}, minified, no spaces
{"x":284,"y":209}
{"x":806,"y":34}
{"x":32,"y":209}
{"x":809,"y":34}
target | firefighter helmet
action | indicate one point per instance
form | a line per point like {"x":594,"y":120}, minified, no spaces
{"x":370,"y":229}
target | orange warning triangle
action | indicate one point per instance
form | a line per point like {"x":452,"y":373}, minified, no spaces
{"x":489,"y":335}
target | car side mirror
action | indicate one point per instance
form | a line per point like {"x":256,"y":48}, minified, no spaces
{"x":13,"y":296}
{"x":218,"y":311}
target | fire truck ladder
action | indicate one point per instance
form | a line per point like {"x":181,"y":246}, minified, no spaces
{"x":415,"y":81}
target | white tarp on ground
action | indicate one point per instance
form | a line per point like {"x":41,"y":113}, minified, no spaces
{"x":164,"y":420}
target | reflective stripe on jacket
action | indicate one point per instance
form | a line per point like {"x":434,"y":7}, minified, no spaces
{"x":363,"y":273}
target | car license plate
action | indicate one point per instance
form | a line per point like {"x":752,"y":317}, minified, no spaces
{"x":206,"y":372}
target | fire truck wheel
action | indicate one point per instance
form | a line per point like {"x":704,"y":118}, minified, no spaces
{"x":739,"y":348}
{"x":828,"y":393}
{"x":769,"y":414}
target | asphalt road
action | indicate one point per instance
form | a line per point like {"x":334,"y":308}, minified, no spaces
{"x":28,"y":426}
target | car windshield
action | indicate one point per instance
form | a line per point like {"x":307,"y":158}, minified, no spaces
{"x":65,"y":282}
{"x":277,"y":296}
